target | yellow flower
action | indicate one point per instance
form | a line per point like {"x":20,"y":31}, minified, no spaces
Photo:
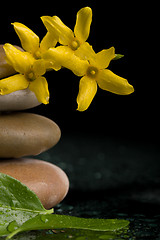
{"x":65,"y":35}
{"x":30,"y":74}
{"x":92,"y":67}
{"x":31,"y":42}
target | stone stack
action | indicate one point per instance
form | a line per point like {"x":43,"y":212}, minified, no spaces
{"x":25,"y":134}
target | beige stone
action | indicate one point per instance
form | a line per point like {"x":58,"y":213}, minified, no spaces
{"x":48,"y":181}
{"x":5,"y":69}
{"x":25,"y":134}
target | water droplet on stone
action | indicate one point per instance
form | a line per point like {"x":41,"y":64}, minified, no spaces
{"x":12,"y":226}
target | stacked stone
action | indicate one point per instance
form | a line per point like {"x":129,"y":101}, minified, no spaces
{"x":26,"y":134}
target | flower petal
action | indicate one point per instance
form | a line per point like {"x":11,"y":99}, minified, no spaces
{"x":20,"y":61}
{"x":83,"y":22}
{"x":50,"y":65}
{"x":40,"y":88}
{"x":87,"y":91}
{"x":65,"y":57}
{"x":29,"y":40}
{"x":59,"y":30}
{"x":86,"y":52}
{"x":104,"y":57}
{"x":111,"y":82}
{"x":47,"y":42}
{"x":39,"y":67}
{"x":12,"y":84}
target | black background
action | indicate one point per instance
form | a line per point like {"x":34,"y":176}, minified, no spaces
{"x":111,"y":151}
{"x":132,"y":28}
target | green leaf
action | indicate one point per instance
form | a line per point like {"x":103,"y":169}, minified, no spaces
{"x":118,"y":56}
{"x":78,"y":234}
{"x":53,"y":221}
{"x":21,"y":210}
{"x":17,"y":204}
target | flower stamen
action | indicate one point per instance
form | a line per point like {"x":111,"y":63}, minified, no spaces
{"x":92,"y":72}
{"x":75,"y":45}
{"x":37,"y":54}
{"x":31,"y":76}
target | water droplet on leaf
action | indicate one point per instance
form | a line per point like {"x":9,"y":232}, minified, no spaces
{"x":2,"y":223}
{"x":44,"y":219}
{"x":14,"y":203}
{"x":12,"y":226}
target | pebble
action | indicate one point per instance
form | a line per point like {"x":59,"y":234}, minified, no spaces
{"x":47,"y":181}
{"x":5,"y":69}
{"x":26,"y":134}
{"x":18,"y":100}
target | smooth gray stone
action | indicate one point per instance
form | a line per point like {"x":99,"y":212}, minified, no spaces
{"x":19,"y":100}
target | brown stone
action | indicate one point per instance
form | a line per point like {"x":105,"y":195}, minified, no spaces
{"x":25,"y":134}
{"x":48,"y":181}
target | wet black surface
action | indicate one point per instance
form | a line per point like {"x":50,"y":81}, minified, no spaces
{"x":111,"y":179}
